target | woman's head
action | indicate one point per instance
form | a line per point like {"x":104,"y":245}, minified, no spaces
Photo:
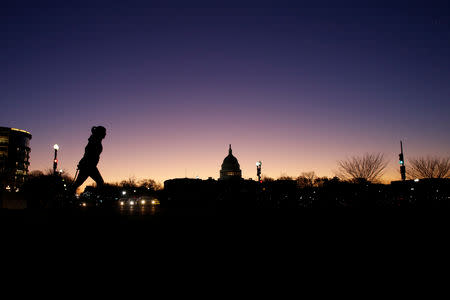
{"x":99,"y":131}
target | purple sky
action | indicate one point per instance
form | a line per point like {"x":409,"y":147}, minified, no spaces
{"x":298,"y":85}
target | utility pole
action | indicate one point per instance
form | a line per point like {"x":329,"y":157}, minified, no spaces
{"x":402,"y":162}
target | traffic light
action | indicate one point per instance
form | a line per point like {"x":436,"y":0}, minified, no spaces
{"x":401,"y":161}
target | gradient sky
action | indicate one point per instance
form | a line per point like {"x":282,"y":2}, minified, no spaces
{"x":295,"y":84}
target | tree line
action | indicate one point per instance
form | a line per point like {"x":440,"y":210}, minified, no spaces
{"x":370,"y":167}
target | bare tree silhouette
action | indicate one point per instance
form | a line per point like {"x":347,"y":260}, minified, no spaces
{"x":429,"y":167}
{"x":63,"y":174}
{"x":267,"y":179}
{"x":306,"y":179}
{"x":150,"y":184}
{"x":369,"y":167}
{"x":129,"y":183}
{"x":35,"y":173}
{"x":285,"y":177}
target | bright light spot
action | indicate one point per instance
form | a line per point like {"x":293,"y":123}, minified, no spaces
{"x":142,"y":202}
{"x":131,"y":202}
{"x":122,"y":203}
{"x":83,"y":204}
{"x":124,"y":192}
{"x":15,"y":129}
{"x":56,"y":147}
{"x":416,"y":180}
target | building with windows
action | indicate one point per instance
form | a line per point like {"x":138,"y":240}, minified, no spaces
{"x":14,"y":157}
{"x":230,"y":167}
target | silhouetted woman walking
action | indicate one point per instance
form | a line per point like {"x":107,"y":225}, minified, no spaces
{"x":88,"y":164}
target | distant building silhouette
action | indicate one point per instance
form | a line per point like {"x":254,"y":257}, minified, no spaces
{"x":14,"y":156}
{"x":230,"y":167}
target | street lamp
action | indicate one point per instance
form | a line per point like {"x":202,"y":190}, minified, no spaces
{"x":258,"y":170}
{"x":55,"y":159}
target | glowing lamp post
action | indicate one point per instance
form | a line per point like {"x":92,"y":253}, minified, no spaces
{"x":258,"y":170}
{"x":55,"y":160}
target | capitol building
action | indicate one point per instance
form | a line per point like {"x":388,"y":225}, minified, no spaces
{"x":231,"y":169}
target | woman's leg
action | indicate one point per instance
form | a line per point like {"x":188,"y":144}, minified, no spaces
{"x":95,"y":174}
{"x":82,"y":176}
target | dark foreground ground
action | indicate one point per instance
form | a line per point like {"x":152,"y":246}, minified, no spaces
{"x":309,"y":217}
{"x":204,"y":231}
{"x":95,"y":215}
